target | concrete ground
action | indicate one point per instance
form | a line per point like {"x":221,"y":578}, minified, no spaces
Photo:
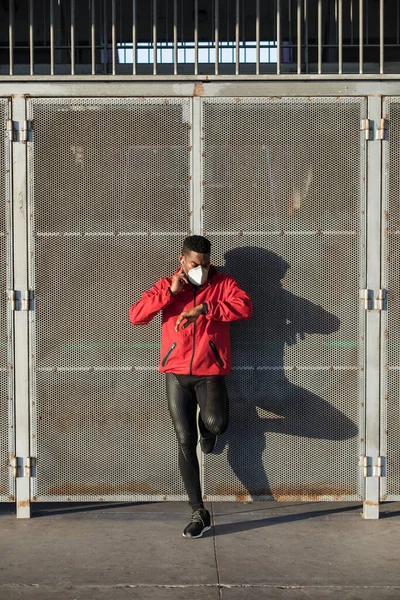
{"x":257,"y":551}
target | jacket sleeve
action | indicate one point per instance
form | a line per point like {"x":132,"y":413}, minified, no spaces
{"x":234,"y":305}
{"x":151,"y":302}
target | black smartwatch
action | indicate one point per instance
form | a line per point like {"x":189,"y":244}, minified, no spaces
{"x":204,"y":308}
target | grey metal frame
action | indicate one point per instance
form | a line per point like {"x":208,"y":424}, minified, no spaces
{"x":10,"y":497}
{"x":296,"y":86}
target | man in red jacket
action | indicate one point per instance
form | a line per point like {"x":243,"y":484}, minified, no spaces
{"x":197,"y":305}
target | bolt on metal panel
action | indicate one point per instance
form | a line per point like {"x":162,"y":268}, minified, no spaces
{"x":7,"y":444}
{"x":390,"y":432}
{"x":283,"y":193}
{"x":110,"y":202}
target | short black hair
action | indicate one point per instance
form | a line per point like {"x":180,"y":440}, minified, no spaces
{"x":196,"y":243}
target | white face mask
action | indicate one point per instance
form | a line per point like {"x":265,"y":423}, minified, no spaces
{"x":197,"y":275}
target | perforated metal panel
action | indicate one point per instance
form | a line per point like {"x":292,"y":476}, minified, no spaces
{"x":110,"y":198}
{"x":6,"y":406}
{"x":283,"y":206}
{"x":390,"y":434}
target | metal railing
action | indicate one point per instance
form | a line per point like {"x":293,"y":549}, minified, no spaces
{"x":194,"y":37}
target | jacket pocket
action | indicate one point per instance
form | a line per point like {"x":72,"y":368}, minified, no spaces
{"x":216,"y":353}
{"x":166,"y":357}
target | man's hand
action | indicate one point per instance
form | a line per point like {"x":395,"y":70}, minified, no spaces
{"x":179,"y":280}
{"x":189,"y":316}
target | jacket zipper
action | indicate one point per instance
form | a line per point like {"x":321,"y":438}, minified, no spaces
{"x":194,"y":333}
{"x":216,"y":353}
{"x":166,"y":357}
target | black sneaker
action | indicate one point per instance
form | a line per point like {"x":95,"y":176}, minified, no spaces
{"x":199,"y":523}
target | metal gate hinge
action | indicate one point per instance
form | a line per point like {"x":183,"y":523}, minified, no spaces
{"x":22,"y":468}
{"x":19,"y":132}
{"x":366,"y":127}
{"x":30,"y":464}
{"x":369,"y":469}
{"x":25,"y":130}
{"x":381,"y":131}
{"x":11,"y":129}
{"x":373,"y":300}
{"x":380,"y":467}
{"x":20,"y":300}
{"x":380,"y":300}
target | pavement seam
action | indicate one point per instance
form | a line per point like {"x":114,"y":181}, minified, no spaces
{"x":203,"y":585}
{"x":215,"y":552}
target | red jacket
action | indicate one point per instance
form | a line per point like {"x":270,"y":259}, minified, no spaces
{"x":203,"y":347}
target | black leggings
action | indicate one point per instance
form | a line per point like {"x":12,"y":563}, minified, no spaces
{"x":184,"y":393}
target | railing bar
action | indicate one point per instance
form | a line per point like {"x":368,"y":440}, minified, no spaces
{"x":51,"y":37}
{"x":305,"y":19}
{"x":113,"y":38}
{"x":216,"y":37}
{"x":258,"y":37}
{"x":105,"y":38}
{"x":196,"y":37}
{"x":237,"y":35}
{"x":154,"y":37}
{"x":175,"y":37}
{"x":31,"y":40}
{"x":319,"y":37}
{"x":351,"y":23}
{"x":134,"y":57}
{"x":381,"y":37}
{"x":340,"y":41}
{"x":11,"y":36}
{"x":361,"y":37}
{"x":93,"y":36}
{"x":278,"y":36}
{"x":298,"y":37}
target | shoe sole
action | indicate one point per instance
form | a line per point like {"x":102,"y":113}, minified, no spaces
{"x":194,"y":537}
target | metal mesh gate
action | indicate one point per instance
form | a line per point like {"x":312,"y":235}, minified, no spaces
{"x":283,"y":184}
{"x":110,"y":197}
{"x":110,"y":194}
{"x":390,"y":434}
{"x":6,"y":406}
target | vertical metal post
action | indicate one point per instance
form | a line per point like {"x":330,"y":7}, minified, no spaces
{"x":93,"y":36}
{"x":361,"y":37}
{"x":134,"y":40}
{"x":113,"y":36}
{"x":21,"y":366}
{"x":372,"y":408}
{"x":258,"y":37}
{"x":216,"y":37}
{"x":175,"y":37}
{"x":340,"y":40}
{"x":306,"y":34}
{"x":51,"y":37}
{"x":196,"y":37}
{"x":298,"y":37}
{"x":105,"y":38}
{"x":72,"y":37}
{"x":154,"y":37}
{"x":237,"y":36}
{"x":31,"y":42}
{"x":11,"y":36}
{"x":381,"y":37}
{"x":319,"y":37}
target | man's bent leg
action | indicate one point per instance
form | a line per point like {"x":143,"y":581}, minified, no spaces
{"x":212,"y":398}
{"x":182,"y":407}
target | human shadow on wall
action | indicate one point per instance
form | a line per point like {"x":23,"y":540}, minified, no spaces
{"x":264,"y":401}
